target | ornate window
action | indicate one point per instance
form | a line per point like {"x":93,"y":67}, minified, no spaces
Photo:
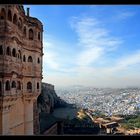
{"x":0,"y":86}
{"x":30,"y":59}
{"x":24,"y":58}
{"x":1,"y":50}
{"x":13,"y":84}
{"x":37,"y":85}
{"x":29,"y":86}
{"x":8,"y":51}
{"x":15,"y":19}
{"x":3,"y":14}
{"x":9,"y":15}
{"x":7,"y":85}
{"x":14,"y":52}
{"x":38,"y":60}
{"x":31,"y":34}
{"x":20,"y":23}
{"x":38,"y":35}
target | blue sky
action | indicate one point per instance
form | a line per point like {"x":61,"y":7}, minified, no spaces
{"x":92,"y":45}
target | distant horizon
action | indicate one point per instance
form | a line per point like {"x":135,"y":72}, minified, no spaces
{"x":91,"y":45}
{"x":83,"y":86}
{"x":92,"y":86}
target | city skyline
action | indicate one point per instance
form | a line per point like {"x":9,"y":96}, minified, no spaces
{"x":91,"y":45}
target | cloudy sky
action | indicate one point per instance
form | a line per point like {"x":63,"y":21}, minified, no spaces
{"x":92,"y":45}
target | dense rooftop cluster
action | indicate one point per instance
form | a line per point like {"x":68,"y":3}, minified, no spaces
{"x":109,"y":101}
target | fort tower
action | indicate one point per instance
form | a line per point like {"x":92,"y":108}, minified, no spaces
{"x":20,"y":70}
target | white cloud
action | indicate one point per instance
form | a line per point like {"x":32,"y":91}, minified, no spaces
{"x":93,"y":38}
{"x":123,"y":15}
{"x":88,"y":56}
{"x":49,"y":57}
{"x":127,"y":67}
{"x":57,"y":56}
{"x":126,"y":62}
{"x":130,"y":60}
{"x":94,"y":42}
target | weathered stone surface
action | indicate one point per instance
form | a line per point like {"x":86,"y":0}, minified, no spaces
{"x":20,"y":70}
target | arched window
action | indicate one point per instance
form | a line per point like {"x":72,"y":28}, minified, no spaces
{"x":37,"y":85}
{"x":8,"y":51}
{"x":24,"y":58}
{"x":20,"y":23}
{"x":29,"y":86}
{"x":38,"y":60}
{"x":7,"y":85}
{"x":9,"y":15}
{"x":18,"y":85}
{"x":30,"y":59}
{"x":0,"y":86}
{"x":14,"y":52}
{"x":1,"y":50}
{"x":13,"y":84}
{"x":39,"y":36}
{"x":31,"y":34}
{"x":19,"y":52}
{"x":24,"y":31}
{"x":15,"y":19}
{"x":3,"y":14}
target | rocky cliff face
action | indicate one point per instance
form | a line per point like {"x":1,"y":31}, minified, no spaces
{"x":48,"y":99}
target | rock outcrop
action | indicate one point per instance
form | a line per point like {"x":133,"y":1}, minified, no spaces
{"x":48,"y":99}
